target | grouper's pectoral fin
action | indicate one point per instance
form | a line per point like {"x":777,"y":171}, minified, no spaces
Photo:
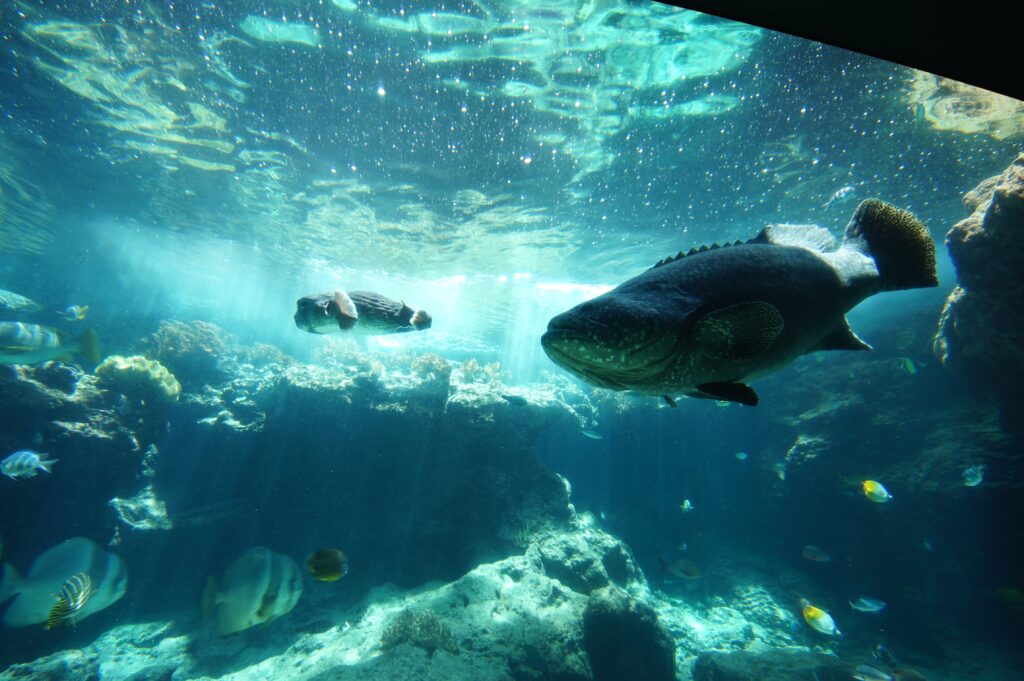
{"x":841,"y":338}
{"x":729,"y":392}
{"x":670,"y":401}
{"x":740,"y":331}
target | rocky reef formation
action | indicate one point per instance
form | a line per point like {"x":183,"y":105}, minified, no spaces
{"x":510,"y":619}
{"x":774,"y":665}
{"x":468,"y":557}
{"x":981,"y":330}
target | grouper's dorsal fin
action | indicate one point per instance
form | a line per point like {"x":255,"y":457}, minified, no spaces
{"x":811,"y":237}
{"x":682,"y":254}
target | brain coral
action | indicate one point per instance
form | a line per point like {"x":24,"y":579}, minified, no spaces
{"x":137,"y":375}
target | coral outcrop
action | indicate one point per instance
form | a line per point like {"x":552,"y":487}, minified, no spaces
{"x":138,"y":377}
{"x":981,"y":330}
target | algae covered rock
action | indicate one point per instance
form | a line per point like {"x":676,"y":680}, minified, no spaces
{"x":771,"y":665}
{"x":66,"y":665}
{"x":420,"y":628}
{"x":981,"y":329}
{"x":139,"y":377}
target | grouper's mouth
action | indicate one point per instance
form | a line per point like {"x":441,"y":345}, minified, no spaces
{"x":601,"y":365}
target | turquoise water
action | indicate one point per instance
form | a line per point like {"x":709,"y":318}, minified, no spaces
{"x":494,"y":164}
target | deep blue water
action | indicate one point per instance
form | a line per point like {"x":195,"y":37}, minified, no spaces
{"x":494,"y":163}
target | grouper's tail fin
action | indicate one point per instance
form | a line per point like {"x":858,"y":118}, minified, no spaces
{"x":898,"y":242}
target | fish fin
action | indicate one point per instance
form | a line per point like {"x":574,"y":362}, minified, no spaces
{"x":898,"y":242}
{"x":740,"y":331}
{"x":421,"y":320}
{"x":682,"y":254}
{"x":209,"y":601}
{"x":670,"y":401}
{"x":345,"y":305}
{"x":810,"y":237}
{"x":841,"y":338}
{"x":89,"y":346}
{"x":731,"y":392}
{"x":45,"y":464}
{"x":663,"y":563}
{"x":10,"y":349}
{"x":10,"y":582}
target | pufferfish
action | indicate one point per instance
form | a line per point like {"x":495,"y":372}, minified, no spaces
{"x":818,"y":619}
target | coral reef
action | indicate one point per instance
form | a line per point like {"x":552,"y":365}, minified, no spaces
{"x":420,"y":628}
{"x":141,"y":378}
{"x":197,"y":352}
{"x":981,"y":329}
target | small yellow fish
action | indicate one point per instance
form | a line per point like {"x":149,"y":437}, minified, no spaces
{"x":75,"y":313}
{"x":875,"y":491}
{"x":818,"y":619}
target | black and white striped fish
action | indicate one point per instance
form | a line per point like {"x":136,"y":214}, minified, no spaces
{"x":73,"y":595}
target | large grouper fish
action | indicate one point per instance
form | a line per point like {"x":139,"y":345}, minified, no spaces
{"x":706,"y":322}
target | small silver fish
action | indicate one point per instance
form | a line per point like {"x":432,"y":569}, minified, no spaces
{"x":742,"y":456}
{"x":841,"y":195}
{"x":686,"y":506}
{"x":816,"y":554}
{"x":14,"y":302}
{"x":871,"y":606}
{"x":592,"y":434}
{"x":866,"y":672}
{"x":974,"y":475}
{"x":24,"y":463}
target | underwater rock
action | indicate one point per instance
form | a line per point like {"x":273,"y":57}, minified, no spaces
{"x":138,"y":378}
{"x":624,"y":639}
{"x":144,"y":511}
{"x":38,"y":393}
{"x":770,"y":665}
{"x":981,"y":329}
{"x":67,"y":665}
{"x":196,"y":353}
{"x":585,"y":560}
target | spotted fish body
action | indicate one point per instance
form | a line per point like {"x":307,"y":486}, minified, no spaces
{"x":362,"y":313}
{"x":72,"y":597}
{"x":706,"y":322}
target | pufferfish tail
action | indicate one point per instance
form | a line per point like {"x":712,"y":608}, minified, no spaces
{"x":900,"y":245}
